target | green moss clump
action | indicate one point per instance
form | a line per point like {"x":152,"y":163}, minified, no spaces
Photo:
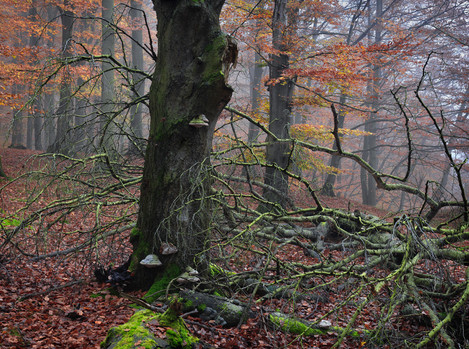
{"x":177,"y":335}
{"x":135,"y":233}
{"x":134,"y":331}
{"x":212,"y":57}
{"x":215,"y":270}
{"x":125,"y":336}
{"x":171,"y":271}
{"x":352,"y":333}
{"x":294,"y":326}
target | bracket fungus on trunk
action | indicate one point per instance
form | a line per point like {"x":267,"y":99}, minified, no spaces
{"x":189,"y":276}
{"x":151,"y":261}
{"x":168,"y":248}
{"x":199,"y":121}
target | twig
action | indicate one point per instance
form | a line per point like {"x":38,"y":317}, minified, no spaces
{"x":51,"y":289}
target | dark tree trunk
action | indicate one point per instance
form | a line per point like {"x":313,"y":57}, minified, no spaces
{"x":2,"y":173}
{"x":189,"y":80}
{"x":83,"y":135}
{"x":37,"y":117}
{"x":278,"y":153}
{"x":136,"y":141}
{"x":62,"y":143}
{"x":109,"y":143}
{"x":328,"y":187}
{"x":18,"y":123}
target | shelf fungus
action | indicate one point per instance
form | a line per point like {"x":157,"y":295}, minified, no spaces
{"x":199,"y":121}
{"x":151,"y":261}
{"x":168,"y":248}
{"x":190,"y":276}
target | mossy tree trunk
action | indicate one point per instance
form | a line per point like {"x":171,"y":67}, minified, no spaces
{"x":189,"y":80}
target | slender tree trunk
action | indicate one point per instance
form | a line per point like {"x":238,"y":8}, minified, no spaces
{"x":190,"y":80}
{"x":328,"y":187}
{"x":2,"y":173}
{"x":29,"y":133}
{"x":62,"y":143}
{"x":255,"y":77}
{"x":38,"y":125}
{"x":18,"y":122}
{"x":280,"y":93}
{"x":255,"y":85}
{"x":82,"y":133}
{"x":370,"y":151}
{"x":108,"y":142}
{"x":49,"y":119}
{"x":136,"y":140}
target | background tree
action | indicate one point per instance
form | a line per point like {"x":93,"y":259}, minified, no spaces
{"x":136,"y":14}
{"x":278,"y":155}
{"x":62,"y":142}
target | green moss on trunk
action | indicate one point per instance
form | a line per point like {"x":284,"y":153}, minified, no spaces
{"x":161,"y":283}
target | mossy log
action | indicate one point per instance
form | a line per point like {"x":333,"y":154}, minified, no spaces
{"x":293,"y":325}
{"x":290,"y":324}
{"x":223,"y":311}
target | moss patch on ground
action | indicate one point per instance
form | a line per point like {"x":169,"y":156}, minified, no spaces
{"x":134,"y":331}
{"x":135,"y":334}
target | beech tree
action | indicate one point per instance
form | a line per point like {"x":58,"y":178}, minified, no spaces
{"x":62,"y":142}
{"x":189,"y":85}
{"x":280,"y":90}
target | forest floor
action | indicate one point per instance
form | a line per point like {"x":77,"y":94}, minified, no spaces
{"x":57,"y":303}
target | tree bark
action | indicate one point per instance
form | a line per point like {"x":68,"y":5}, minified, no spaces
{"x":136,"y":144}
{"x":280,"y":92}
{"x":328,"y":187}
{"x":190,"y":80}
{"x":108,"y":141}
{"x":2,"y":173}
{"x":62,"y":143}
{"x":370,"y":151}
{"x":18,"y":122}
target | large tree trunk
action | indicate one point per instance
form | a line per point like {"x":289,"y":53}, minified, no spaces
{"x":278,"y":154}
{"x":189,"y":80}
